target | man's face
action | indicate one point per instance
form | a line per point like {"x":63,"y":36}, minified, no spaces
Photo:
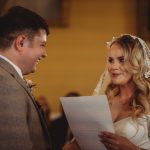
{"x":34,"y":50}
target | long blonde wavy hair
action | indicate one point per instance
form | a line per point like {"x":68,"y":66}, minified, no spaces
{"x":135,"y":64}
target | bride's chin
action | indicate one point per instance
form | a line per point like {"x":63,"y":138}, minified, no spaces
{"x":116,"y":82}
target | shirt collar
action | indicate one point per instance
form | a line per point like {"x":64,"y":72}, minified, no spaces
{"x":15,"y":66}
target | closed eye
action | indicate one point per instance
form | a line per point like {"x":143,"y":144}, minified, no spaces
{"x":43,"y":45}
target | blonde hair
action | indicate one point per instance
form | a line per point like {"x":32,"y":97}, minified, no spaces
{"x":135,"y":64}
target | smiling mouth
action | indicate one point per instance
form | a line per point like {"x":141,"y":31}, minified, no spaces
{"x":115,"y":75}
{"x":38,"y":60}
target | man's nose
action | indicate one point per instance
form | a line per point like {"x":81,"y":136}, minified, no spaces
{"x":44,"y":54}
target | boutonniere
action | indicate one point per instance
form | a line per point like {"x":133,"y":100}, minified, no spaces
{"x":30,"y":84}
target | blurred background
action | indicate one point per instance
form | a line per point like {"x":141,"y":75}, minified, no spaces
{"x":76,"y":45}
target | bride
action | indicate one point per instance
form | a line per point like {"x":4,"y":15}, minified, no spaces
{"x":129,"y":95}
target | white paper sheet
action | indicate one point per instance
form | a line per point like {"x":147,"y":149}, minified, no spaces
{"x":87,"y":117}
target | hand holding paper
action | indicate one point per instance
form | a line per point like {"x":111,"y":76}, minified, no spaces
{"x":87,"y":117}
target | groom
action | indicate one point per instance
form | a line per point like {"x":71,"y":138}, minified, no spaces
{"x":23,"y":36}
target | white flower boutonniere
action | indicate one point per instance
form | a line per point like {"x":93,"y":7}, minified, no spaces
{"x":30,"y":84}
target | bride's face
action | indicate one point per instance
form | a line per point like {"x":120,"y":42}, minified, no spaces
{"x":116,"y":68}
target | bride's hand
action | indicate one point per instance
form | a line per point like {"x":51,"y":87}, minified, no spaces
{"x":113,"y":141}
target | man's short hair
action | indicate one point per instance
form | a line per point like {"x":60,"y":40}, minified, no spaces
{"x":19,"y":20}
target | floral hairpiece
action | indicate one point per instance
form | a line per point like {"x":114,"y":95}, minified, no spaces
{"x":146,"y":51}
{"x":110,"y":42}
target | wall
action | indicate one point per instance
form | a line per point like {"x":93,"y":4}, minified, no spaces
{"x":77,"y":54}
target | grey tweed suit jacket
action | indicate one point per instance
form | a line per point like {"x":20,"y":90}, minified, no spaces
{"x":22,"y":126}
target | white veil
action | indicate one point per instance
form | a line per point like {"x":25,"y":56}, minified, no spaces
{"x":102,"y":84}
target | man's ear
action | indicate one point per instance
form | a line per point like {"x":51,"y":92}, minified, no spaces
{"x":19,"y":42}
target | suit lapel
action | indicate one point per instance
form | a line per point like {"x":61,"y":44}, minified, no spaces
{"x":10,"y":69}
